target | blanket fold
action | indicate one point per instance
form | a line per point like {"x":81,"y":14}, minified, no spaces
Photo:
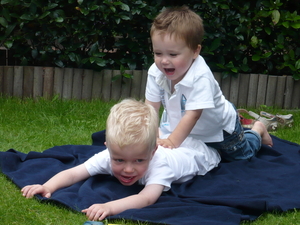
{"x":229,"y":194}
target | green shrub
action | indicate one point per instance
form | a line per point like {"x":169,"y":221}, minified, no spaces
{"x":251,"y":36}
{"x":81,"y":34}
{"x":260,"y":36}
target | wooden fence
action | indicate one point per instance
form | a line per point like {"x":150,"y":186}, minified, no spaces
{"x":245,"y":90}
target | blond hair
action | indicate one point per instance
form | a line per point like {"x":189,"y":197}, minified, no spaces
{"x":132,"y":122}
{"x":181,"y":22}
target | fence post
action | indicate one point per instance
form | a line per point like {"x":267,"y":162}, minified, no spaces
{"x":77,"y":83}
{"x":280,"y":91}
{"x":97,"y":85}
{"x":243,"y":90}
{"x":28,"y":82}
{"x":48,"y":82}
{"x":261,"y":89}
{"x":252,"y":91}
{"x":143,"y":84}
{"x":126,"y":88}
{"x":271,"y":90}
{"x":37,"y":82}
{"x":296,"y":95}
{"x":234,"y":90}
{"x":58,"y":79}
{"x":18,"y":81}
{"x":226,"y":87}
{"x":288,"y":92}
{"x":67,"y":84}
{"x":87,"y":83}
{"x":1,"y":80}
{"x":106,"y":85}
{"x":136,"y":83}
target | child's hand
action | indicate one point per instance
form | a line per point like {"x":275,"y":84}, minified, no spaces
{"x":166,"y":143}
{"x":30,"y":190}
{"x":98,"y":212}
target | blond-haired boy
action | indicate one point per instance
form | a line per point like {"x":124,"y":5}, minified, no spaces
{"x":132,"y":155}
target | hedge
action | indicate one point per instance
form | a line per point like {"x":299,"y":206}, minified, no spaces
{"x":251,"y":36}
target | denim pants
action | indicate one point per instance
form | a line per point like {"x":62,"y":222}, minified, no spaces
{"x":238,"y":145}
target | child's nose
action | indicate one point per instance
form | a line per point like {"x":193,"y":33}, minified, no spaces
{"x":165,"y":60}
{"x":128,"y":168}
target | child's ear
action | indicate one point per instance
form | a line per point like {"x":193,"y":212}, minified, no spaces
{"x":197,"y":51}
{"x":153,"y":152}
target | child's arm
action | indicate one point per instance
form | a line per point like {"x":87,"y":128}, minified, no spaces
{"x":60,"y":180}
{"x":147,"y":196}
{"x":156,"y":106}
{"x":182,"y":130}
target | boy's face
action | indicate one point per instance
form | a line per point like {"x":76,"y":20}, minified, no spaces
{"x":130,"y":163}
{"x":172,"y":55}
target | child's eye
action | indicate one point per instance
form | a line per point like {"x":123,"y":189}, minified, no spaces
{"x":157,"y":53}
{"x":139,"y":160}
{"x":118,"y":160}
{"x":173,"y":55}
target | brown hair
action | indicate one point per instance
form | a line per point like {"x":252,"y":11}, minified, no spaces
{"x":181,"y":22}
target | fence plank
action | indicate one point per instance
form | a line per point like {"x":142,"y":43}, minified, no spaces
{"x":143,"y":84}
{"x":97,"y":85}
{"x":243,"y":90}
{"x":234,"y":90}
{"x":136,"y":84}
{"x":67,"y":84}
{"x":37,"y":82}
{"x":77,"y":83}
{"x":18,"y":81}
{"x":58,"y":80}
{"x":218,"y":77}
{"x":126,"y":85}
{"x":288,"y":92}
{"x":261,"y":90}
{"x":271,"y":90}
{"x":106,"y":85}
{"x":226,"y":87}
{"x":296,"y":95}
{"x":116,"y":86}
{"x":87,"y":83}
{"x":8,"y":80}
{"x":48,"y":82}
{"x":28,"y":82}
{"x":1,"y":80}
{"x":280,"y":91}
{"x":252,"y":91}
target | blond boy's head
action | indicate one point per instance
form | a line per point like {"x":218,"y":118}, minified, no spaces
{"x":132,"y":122}
{"x":182,"y":23}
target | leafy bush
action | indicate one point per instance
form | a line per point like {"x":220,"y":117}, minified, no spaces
{"x":71,"y":33}
{"x":249,"y":36}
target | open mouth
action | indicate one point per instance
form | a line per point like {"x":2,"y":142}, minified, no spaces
{"x":169,"y":71}
{"x":125,"y":179}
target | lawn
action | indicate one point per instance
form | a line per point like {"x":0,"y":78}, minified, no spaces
{"x":29,"y":125}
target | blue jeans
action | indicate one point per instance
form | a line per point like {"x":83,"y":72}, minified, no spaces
{"x":238,"y":145}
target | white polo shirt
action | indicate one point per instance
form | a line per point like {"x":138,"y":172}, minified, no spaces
{"x":197,"y":90}
{"x":167,"y":165}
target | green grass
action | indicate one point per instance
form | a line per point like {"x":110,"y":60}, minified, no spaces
{"x":28,"y":125}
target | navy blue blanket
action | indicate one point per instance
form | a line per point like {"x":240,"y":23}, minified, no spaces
{"x":233,"y":192}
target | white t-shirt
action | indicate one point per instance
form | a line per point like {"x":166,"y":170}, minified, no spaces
{"x":197,"y":90}
{"x":167,"y":165}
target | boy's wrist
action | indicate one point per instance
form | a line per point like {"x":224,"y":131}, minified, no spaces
{"x":172,"y":142}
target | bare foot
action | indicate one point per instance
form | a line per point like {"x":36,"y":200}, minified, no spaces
{"x":260,"y":128}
